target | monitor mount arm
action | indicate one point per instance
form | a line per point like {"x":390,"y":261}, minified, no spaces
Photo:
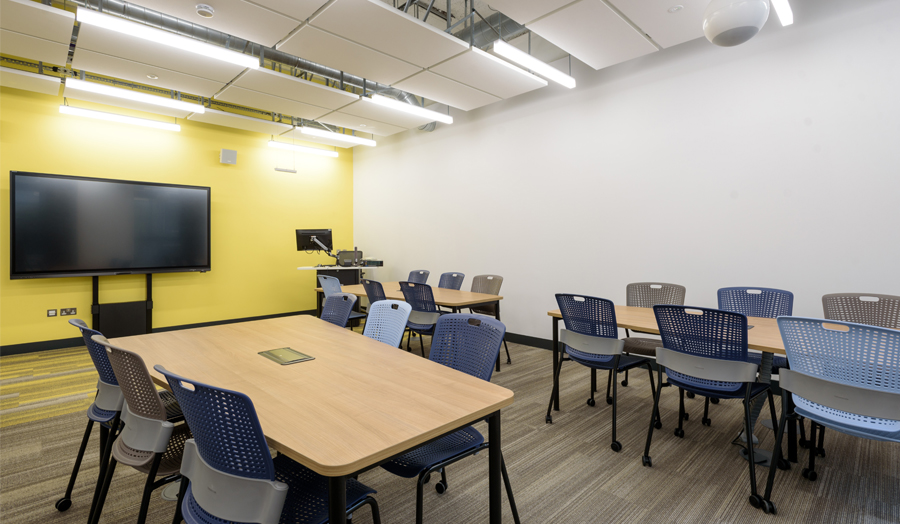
{"x":324,"y":248}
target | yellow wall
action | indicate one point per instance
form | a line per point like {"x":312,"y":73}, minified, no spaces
{"x":255,"y":211}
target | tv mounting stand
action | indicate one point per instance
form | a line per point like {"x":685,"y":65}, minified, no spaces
{"x":122,"y":319}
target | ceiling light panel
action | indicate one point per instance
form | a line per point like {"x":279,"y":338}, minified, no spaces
{"x":347,"y":138}
{"x":303,"y":149}
{"x":593,"y":33}
{"x":784,"y":12}
{"x":286,"y":86}
{"x":665,"y":28}
{"x":236,"y":17}
{"x":29,"y":81}
{"x":38,"y":20}
{"x":527,"y":11}
{"x":369,"y":110}
{"x":531,"y":63}
{"x":334,"y":51}
{"x":121,"y":119}
{"x":295,"y":134}
{"x":102,"y":64}
{"x":361,"y":124}
{"x":267,"y":102}
{"x":113,"y":96}
{"x":33,"y":48}
{"x":379,"y":26}
{"x":113,"y":43}
{"x":441,"y":89}
{"x":247,"y":123}
{"x":488,"y":73}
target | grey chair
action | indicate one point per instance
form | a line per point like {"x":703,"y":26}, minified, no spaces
{"x":338,"y":308}
{"x":647,"y":294}
{"x":331,"y":286}
{"x":490,"y":285}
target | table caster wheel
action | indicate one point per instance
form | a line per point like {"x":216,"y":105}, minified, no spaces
{"x":591,"y":402}
{"x":63,"y":504}
{"x":679,"y":433}
{"x":616,"y":446}
{"x":609,"y":400}
{"x":706,"y":422}
{"x":647,"y":463}
{"x":440,"y":487}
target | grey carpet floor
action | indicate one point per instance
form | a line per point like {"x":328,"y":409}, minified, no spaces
{"x":562,"y":472}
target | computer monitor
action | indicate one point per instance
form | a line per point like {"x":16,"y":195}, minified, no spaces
{"x":306,"y":240}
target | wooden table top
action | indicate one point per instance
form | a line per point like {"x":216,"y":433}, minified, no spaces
{"x":763,"y":336}
{"x":358,"y":403}
{"x":442,"y":297}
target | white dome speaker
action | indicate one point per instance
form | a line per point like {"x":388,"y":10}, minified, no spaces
{"x":729,"y":23}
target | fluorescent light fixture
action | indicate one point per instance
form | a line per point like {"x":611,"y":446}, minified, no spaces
{"x":783,"y":9}
{"x":120,"y":25}
{"x":136,"y":96}
{"x":303,"y":149}
{"x":529,"y":62}
{"x":409,"y":108}
{"x":122,"y":119}
{"x":350,"y":139}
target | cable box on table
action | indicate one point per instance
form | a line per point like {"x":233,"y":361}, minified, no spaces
{"x":285,"y":356}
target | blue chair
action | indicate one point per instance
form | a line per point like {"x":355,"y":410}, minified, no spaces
{"x":374,"y":291}
{"x":105,"y":410}
{"x":451,"y":280}
{"x":337,"y":308}
{"x":233,"y":478}
{"x":844,"y":376}
{"x":387,"y":321}
{"x":331,"y":286}
{"x":591,"y":338}
{"x":467,"y":343}
{"x":705,"y":351}
{"x":425,"y":313}
{"x":418,"y":276}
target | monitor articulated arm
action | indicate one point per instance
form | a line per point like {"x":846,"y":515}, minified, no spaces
{"x":324,"y":247}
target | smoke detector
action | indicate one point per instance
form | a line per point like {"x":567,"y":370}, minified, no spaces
{"x":204,"y":10}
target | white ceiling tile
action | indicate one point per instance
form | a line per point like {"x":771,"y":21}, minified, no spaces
{"x":247,"y":123}
{"x":488,"y":73}
{"x":526,"y":11}
{"x":286,"y":86}
{"x":666,"y":28}
{"x":333,"y":51}
{"x":234,"y":17}
{"x":76,"y":94}
{"x":446,"y":91}
{"x":358,"y":123}
{"x":101,"y":64}
{"x":33,"y":48}
{"x":593,"y":33}
{"x":267,"y":102}
{"x":42,"y":21}
{"x":295,"y":134}
{"x":379,"y":26}
{"x":29,"y":81}
{"x":112,"y":43}
{"x":372,"y":111}
{"x":296,"y":9}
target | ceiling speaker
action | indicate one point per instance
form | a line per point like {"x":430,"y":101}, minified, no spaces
{"x":729,"y":23}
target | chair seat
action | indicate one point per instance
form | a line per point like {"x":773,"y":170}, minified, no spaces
{"x":100,"y":415}
{"x":756,"y":389}
{"x":777,"y":363}
{"x":642,"y":346}
{"x":307,"y":498}
{"x":355,"y":315}
{"x":605,"y":361}
{"x":410,"y":464}
{"x":872,"y":434}
{"x":142,"y":460}
{"x":420,"y":328}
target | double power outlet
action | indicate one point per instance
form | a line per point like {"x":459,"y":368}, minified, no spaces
{"x":64,"y":312}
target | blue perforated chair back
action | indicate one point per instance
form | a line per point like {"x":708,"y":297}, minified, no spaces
{"x":224,"y":426}
{"x":864,"y":356}
{"x":419,"y":296}
{"x":97,"y":352}
{"x":756,"y":301}
{"x":337,"y":308}
{"x":374,"y":290}
{"x":588,"y":316}
{"x":704,"y":332}
{"x":330,"y":285}
{"x":451,"y":280}
{"x":467,"y":343}
{"x":419,"y":276}
{"x":387,"y":321}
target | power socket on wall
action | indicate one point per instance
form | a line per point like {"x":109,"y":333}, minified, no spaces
{"x":51,"y":312}
{"x":64,"y":312}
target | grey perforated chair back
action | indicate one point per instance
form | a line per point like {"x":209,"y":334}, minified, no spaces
{"x":490,"y":285}
{"x":330,"y":285}
{"x":863,"y":308}
{"x":418,"y":276}
{"x":649,"y":294}
{"x":338,"y":307}
{"x":387,"y":321}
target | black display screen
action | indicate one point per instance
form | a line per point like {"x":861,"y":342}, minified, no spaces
{"x":72,"y":226}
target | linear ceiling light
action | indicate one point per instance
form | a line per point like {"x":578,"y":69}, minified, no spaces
{"x":303,"y":149}
{"x":529,"y":62}
{"x":783,"y":9}
{"x":350,"y":139}
{"x":409,"y":108}
{"x":136,"y":96}
{"x":86,"y":16}
{"x":112,"y":117}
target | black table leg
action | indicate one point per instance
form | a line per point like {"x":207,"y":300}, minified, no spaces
{"x":555,"y":351}
{"x":318,"y":304}
{"x":497,"y":316}
{"x":337,"y":500}
{"x":494,"y":475}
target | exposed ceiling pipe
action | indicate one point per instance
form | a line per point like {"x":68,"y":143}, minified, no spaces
{"x":489,"y":30}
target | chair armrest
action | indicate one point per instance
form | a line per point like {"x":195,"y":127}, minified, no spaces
{"x":852,"y":399}
{"x":591,"y":344}
{"x":706,"y":368}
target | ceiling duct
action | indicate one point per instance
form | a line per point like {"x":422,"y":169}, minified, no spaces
{"x":485,"y":31}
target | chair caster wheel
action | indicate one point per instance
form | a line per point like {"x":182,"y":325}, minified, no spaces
{"x":809,"y":475}
{"x":679,"y":433}
{"x":549,"y":419}
{"x":756,"y":501}
{"x":591,"y":402}
{"x":769,"y":508}
{"x":820,"y":452}
{"x":609,"y":400}
{"x":706,"y":422}
{"x":803,"y":443}
{"x":440,"y":487}
{"x":689,"y":394}
{"x":624,"y":383}
{"x":616,"y":446}
{"x":63,"y":504}
{"x":646,"y":462}
{"x":687,"y":416}
{"x":783,"y":464}
{"x":714,"y":400}
{"x":658,"y":425}
{"x":509,"y":361}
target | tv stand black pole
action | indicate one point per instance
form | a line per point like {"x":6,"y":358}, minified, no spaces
{"x":122,"y":319}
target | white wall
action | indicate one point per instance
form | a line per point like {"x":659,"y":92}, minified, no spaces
{"x":774,"y":164}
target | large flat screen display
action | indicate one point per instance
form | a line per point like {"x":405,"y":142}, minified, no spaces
{"x":63,"y":226}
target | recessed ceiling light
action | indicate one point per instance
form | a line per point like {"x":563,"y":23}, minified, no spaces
{"x":206,"y":11}
{"x":152,"y":77}
{"x":676,"y":8}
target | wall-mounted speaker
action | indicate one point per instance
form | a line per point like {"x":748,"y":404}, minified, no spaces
{"x":228,"y":156}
